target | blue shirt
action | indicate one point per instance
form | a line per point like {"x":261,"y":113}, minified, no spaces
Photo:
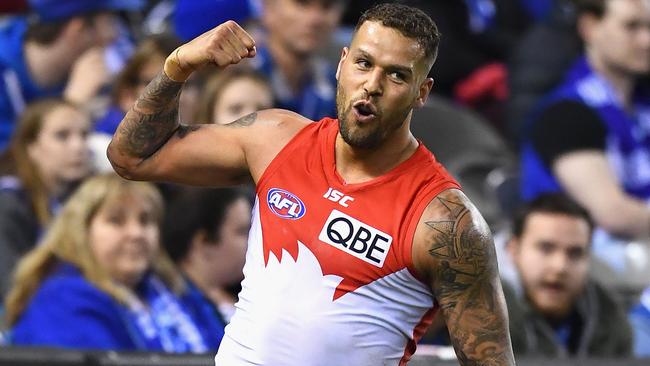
{"x":69,"y":311}
{"x":627,"y":134}
{"x":16,"y":85}
{"x":316,"y":99}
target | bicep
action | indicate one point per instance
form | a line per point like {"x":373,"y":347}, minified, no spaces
{"x":457,"y":253}
{"x":199,"y":155}
{"x":217,"y":155}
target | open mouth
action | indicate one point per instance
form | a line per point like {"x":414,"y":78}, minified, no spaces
{"x":364,"y":111}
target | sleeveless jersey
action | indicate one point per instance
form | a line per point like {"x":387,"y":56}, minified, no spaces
{"x":329,"y":276}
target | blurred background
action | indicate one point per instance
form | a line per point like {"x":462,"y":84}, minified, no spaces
{"x":540,"y":109}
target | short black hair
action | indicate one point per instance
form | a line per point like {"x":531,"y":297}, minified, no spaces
{"x":193,"y":210}
{"x":550,"y":203}
{"x":594,"y":7}
{"x":409,"y":21}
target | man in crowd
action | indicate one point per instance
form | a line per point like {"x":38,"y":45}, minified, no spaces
{"x":591,"y":136}
{"x":557,"y":310}
{"x":57,"y":50}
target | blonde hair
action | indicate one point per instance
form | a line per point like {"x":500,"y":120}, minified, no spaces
{"x":68,"y":240}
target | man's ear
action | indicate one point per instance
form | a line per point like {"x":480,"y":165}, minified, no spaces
{"x":423,"y":93}
{"x":586,"y":26}
{"x":344,"y":55}
{"x":199,"y":240}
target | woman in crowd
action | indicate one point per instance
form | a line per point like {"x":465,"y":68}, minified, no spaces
{"x":47,"y":157}
{"x":99,"y":281}
{"x":233,"y":93}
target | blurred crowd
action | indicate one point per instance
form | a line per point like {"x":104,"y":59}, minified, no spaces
{"x":540,"y":108}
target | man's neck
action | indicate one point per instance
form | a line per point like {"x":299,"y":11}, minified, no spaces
{"x":293,"y":65}
{"x":361,"y":165}
{"x":622,"y":81}
{"x":44,"y":65}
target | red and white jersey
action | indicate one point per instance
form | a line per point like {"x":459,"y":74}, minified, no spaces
{"x":329,"y":276}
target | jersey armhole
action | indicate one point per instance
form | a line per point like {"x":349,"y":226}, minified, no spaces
{"x":283,"y":155}
{"x":413,"y":219}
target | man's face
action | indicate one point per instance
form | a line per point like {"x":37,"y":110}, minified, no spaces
{"x":302,"y":26}
{"x":381,"y":78}
{"x":552,"y":258}
{"x":620,"y":40}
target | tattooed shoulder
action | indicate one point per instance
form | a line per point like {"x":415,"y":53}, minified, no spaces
{"x":247,"y":120}
{"x":465,"y":280}
{"x":459,"y":241}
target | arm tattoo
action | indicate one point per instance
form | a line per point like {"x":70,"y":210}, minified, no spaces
{"x":466,"y":285}
{"x":245,"y":121}
{"x":153,"y":119}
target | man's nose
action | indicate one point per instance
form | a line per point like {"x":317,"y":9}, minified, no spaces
{"x":559,"y":263}
{"x":374,"y":83}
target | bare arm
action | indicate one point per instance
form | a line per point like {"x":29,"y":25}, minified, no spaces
{"x":151,"y":144}
{"x":454,"y":251}
{"x":587,"y":176}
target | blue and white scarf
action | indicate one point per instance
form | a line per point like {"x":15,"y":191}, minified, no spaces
{"x":161,"y":320}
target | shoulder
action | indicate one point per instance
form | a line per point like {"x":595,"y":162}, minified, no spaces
{"x":70,"y":289}
{"x":260,"y":125}
{"x":568,"y":109}
{"x":13,"y":198}
{"x":265,"y":133}
{"x":283,"y":119}
{"x":451,"y":229}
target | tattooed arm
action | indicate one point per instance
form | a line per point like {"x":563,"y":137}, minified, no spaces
{"x":151,"y":144}
{"x":453,"y":250}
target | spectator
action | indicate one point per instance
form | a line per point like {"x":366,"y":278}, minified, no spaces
{"x":47,"y":157}
{"x":58,"y":50}
{"x":145,"y":63}
{"x":295,"y":31}
{"x":640,"y":320}
{"x":590,"y":137}
{"x":99,"y":281}
{"x":533,"y":71}
{"x":205,"y":233}
{"x":233,"y":93}
{"x":558,"y":311}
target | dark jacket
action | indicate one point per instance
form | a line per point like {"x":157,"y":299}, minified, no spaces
{"x":604,"y":330}
{"x":19,"y":228}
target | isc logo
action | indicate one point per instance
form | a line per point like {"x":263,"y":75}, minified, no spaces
{"x":356,"y":238}
{"x":285,"y":204}
{"x":337,"y":196}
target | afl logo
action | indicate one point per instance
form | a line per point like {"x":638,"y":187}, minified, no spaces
{"x":285,"y":204}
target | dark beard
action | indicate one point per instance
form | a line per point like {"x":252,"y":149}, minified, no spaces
{"x":370,"y":140}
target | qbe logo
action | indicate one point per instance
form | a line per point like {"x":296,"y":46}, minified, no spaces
{"x":285,"y":204}
{"x":356,"y":238}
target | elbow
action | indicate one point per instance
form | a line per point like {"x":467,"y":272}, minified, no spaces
{"x":124,"y":166}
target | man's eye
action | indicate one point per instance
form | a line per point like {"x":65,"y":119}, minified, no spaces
{"x":397,"y":75}
{"x":363,"y":64}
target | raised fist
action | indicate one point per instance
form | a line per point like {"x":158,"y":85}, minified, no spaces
{"x":227,"y":44}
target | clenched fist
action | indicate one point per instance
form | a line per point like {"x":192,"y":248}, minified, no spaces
{"x":227,"y":44}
